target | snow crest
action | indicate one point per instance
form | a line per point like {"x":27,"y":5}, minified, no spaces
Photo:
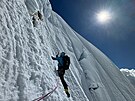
{"x":30,"y":34}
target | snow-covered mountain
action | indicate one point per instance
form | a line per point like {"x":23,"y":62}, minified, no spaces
{"x":130,"y":74}
{"x":27,"y":70}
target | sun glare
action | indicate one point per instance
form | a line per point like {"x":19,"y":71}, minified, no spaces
{"x":103,"y":16}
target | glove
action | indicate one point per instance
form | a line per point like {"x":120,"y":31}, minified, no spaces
{"x":57,"y":54}
{"x":52,"y":57}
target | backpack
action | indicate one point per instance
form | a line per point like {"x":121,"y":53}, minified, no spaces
{"x":66,"y":62}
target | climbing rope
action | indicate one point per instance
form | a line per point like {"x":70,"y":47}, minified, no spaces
{"x":48,"y":94}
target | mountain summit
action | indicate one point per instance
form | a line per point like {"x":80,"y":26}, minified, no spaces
{"x":31,"y":32}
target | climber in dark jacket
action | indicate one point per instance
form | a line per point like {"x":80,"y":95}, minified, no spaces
{"x":61,"y":70}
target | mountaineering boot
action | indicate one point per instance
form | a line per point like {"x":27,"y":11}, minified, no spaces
{"x":67,"y":92}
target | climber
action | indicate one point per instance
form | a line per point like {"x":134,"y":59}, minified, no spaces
{"x":39,"y":15}
{"x":63,"y":64}
{"x":36,"y":17}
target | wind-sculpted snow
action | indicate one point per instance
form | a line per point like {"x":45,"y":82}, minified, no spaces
{"x":26,"y":67}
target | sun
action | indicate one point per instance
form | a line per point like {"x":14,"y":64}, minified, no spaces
{"x":104,"y":16}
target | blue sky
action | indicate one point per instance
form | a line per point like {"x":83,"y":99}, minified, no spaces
{"x":116,"y":39}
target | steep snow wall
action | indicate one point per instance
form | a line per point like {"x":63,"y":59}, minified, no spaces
{"x":26,"y":67}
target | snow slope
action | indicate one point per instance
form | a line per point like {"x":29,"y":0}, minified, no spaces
{"x":26,"y":67}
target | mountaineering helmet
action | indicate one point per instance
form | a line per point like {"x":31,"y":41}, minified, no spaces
{"x":62,"y":54}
